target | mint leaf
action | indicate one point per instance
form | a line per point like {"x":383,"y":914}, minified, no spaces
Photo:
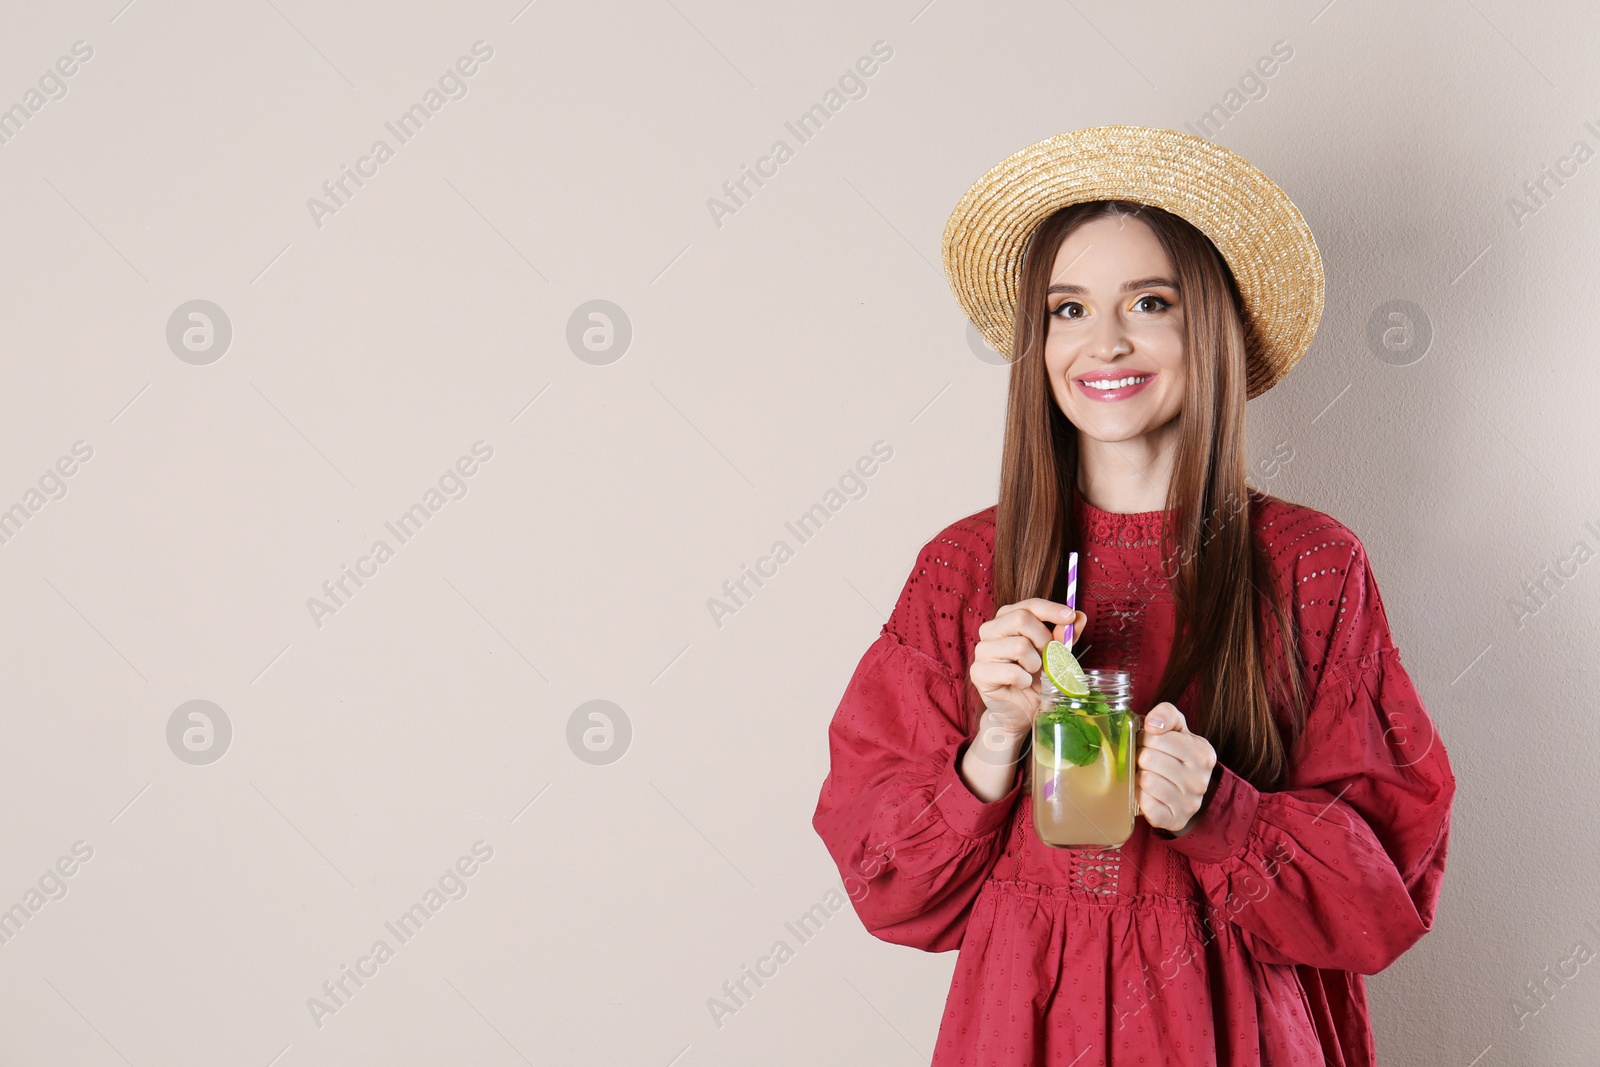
{"x":1095,"y":704}
{"x":1074,"y":737}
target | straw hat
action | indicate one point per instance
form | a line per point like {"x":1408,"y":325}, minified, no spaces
{"x":1252,"y":222}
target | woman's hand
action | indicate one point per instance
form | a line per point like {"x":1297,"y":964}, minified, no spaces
{"x":1008,"y":653}
{"x":1175,"y":769}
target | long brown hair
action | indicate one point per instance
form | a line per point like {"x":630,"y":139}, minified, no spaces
{"x":1217,"y":571}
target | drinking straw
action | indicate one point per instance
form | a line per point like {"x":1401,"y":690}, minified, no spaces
{"x":1072,"y":592}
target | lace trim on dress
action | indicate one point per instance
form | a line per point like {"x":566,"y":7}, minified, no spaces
{"x":1119,"y":529}
{"x":1097,"y":870}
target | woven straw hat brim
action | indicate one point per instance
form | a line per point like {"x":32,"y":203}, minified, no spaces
{"x":1253,"y":223}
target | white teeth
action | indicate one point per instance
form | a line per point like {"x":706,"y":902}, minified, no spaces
{"x":1117,"y":383}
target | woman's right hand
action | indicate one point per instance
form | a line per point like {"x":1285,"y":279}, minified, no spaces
{"x":1009,"y":652}
{"x":1009,"y":655}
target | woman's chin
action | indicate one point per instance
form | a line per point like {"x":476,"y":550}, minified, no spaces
{"x":1116,"y":424}
{"x":1115,"y":432}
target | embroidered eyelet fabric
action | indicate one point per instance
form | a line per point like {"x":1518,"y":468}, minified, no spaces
{"x":1243,"y":942}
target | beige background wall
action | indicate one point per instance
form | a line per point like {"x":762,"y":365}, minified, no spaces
{"x":443,"y":702}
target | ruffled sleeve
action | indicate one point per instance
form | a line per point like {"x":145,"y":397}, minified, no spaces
{"x":912,"y":842}
{"x":1342,"y":870}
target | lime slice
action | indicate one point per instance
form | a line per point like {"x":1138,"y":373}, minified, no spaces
{"x":1098,"y":780}
{"x":1061,"y":667}
{"x":1118,"y":724}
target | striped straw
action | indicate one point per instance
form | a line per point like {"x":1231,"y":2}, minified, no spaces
{"x":1072,"y":591}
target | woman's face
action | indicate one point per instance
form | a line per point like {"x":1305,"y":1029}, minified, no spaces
{"x":1114,"y":312}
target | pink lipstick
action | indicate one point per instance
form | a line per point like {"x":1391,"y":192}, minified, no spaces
{"x":1133,"y":382}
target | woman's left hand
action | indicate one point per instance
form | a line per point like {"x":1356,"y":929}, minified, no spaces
{"x":1175,"y":769}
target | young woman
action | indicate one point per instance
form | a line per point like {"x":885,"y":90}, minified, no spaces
{"x":1295,"y":797}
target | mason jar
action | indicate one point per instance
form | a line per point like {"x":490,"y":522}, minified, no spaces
{"x":1084,"y":763}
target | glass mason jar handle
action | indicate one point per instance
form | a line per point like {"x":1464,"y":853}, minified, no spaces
{"x":1136,"y":728}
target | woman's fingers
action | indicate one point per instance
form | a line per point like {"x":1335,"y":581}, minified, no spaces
{"x":1046,"y":610}
{"x":1166,"y":717}
{"x":1070,"y":637}
{"x":1017,"y":649}
{"x":1036,"y":619}
{"x":1166,"y":764}
{"x":1190,"y":749}
{"x":1174,"y":771}
{"x":1009,"y":652}
{"x":1185,"y":757}
{"x":999,"y":673}
{"x":1034,"y":615}
{"x":1182,"y":746}
{"x":1154,"y":804}
{"x":1012,"y":620}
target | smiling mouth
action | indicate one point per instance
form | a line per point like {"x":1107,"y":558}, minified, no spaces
{"x":1104,"y":384}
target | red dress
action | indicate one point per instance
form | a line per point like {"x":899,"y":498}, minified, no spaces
{"x":1243,"y":941}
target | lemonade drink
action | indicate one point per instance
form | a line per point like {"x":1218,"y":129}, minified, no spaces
{"x":1084,"y":752}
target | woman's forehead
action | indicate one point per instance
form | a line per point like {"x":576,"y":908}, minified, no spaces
{"x":1103,"y":254}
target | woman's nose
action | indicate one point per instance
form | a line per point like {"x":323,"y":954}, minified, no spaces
{"x":1110,"y":338}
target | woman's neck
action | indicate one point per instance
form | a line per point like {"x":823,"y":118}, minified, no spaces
{"x":1127,"y":476}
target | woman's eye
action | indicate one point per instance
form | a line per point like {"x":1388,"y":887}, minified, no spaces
{"x":1157,"y":299}
{"x":1063,"y":311}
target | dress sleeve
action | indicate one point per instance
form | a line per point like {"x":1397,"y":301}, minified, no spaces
{"x":1343,"y":869}
{"x":912,"y":842}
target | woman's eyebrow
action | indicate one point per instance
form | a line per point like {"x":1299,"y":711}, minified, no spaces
{"x":1127,"y":287}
